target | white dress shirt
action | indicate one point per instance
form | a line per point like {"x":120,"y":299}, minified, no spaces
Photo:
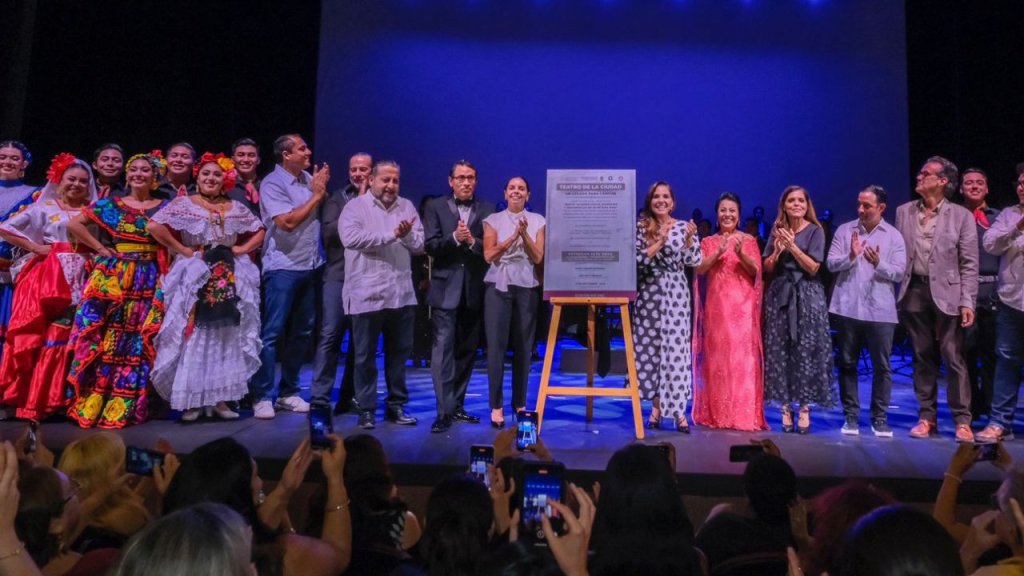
{"x":1005,"y":240}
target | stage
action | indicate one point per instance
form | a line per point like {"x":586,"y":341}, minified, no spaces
{"x":912,"y":469}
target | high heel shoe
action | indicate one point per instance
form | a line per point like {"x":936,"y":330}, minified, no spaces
{"x":803,"y":424}
{"x":497,"y":424}
{"x":191,"y":415}
{"x":787,"y":419}
{"x":654,"y":421}
{"x":682,"y":426}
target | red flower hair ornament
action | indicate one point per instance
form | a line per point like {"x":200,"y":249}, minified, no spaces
{"x":225,"y":163}
{"x":58,"y":166}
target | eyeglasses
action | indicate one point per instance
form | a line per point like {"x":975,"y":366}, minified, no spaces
{"x":76,"y":487}
{"x":464,"y":178}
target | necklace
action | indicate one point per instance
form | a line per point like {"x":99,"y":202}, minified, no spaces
{"x":215,"y":211}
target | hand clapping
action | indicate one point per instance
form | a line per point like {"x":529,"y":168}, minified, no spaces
{"x":404,"y":227}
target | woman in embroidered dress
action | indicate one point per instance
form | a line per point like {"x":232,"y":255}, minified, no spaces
{"x":15,"y":195}
{"x":514,"y":246}
{"x":49,"y":282}
{"x":209,"y":344}
{"x":122,"y":305}
{"x":727,"y":327}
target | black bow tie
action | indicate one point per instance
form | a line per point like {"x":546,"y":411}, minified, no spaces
{"x":463,"y":202}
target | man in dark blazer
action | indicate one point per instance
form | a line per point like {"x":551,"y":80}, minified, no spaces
{"x":333,"y":321}
{"x":938,"y":292}
{"x":453,"y":230}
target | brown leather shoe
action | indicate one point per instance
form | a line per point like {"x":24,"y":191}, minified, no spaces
{"x":993,"y":433}
{"x":964,"y":433}
{"x":924,"y":429}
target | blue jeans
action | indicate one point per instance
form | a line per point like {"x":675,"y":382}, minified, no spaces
{"x":1009,"y":359}
{"x":289,"y":300}
{"x":333,"y":324}
{"x":396,"y":325}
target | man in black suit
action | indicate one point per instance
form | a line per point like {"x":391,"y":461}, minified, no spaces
{"x":333,"y":321}
{"x":453,"y":230}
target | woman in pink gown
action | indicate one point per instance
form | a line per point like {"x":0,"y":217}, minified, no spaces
{"x":729,"y":391}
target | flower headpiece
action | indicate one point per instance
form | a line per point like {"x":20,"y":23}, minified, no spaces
{"x":58,"y":166}
{"x":155,"y":159}
{"x":226,"y":164}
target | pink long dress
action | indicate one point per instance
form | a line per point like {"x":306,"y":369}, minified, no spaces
{"x":727,"y":353}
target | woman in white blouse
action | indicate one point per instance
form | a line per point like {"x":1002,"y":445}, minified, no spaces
{"x":514,"y":247}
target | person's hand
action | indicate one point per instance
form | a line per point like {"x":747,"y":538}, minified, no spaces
{"x":873,"y":254}
{"x":505,"y":444}
{"x":1003,"y":461}
{"x":105,"y":252}
{"x":966,"y":317}
{"x":856,"y":246}
{"x":501,"y":495}
{"x":295,"y":470}
{"x":570,"y":549}
{"x":980,"y":538}
{"x":8,"y":491}
{"x":462,"y":233}
{"x":162,"y":475}
{"x":786,"y":236}
{"x":723,"y":246}
{"x":541,"y":451}
{"x":794,"y":568}
{"x":41,"y":249}
{"x":1018,"y":517}
{"x":321,"y":175}
{"x":798,"y":521}
{"x":513,"y":528}
{"x":596,"y":489}
{"x":689,"y":231}
{"x":333,"y":459}
{"x":404,"y":227}
{"x":238,"y":250}
{"x":741,"y":237}
{"x":769,"y":447}
{"x":963,"y":459}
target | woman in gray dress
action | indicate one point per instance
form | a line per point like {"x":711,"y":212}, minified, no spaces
{"x":662,"y":319}
{"x":797,"y":346}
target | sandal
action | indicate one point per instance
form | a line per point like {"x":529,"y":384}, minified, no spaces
{"x":682,"y":426}
{"x":787,"y":419}
{"x":803,"y":423}
{"x":654,"y":421}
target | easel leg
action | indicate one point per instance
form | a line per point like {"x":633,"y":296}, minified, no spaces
{"x":634,"y":386}
{"x":549,"y":356}
{"x":591,"y":358}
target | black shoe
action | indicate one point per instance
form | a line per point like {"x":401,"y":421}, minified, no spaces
{"x":398,"y":416}
{"x":442,"y":424}
{"x":367,"y":421}
{"x":463,"y":416}
{"x":345,"y":406}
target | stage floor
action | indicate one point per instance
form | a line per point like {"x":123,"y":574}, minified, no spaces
{"x":910,"y":468}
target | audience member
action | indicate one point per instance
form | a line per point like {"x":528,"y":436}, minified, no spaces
{"x":458,"y":529}
{"x":835,"y":511}
{"x":899,"y":541}
{"x":206,"y":539}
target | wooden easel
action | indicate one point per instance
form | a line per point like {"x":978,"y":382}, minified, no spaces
{"x":632,"y":391}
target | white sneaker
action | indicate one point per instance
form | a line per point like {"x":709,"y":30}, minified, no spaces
{"x":292,"y":403}
{"x":263,"y":410}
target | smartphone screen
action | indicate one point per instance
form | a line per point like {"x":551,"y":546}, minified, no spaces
{"x":479,"y":457}
{"x":526,"y":430}
{"x":321,"y":424}
{"x":141,"y":461}
{"x":542,"y":483}
{"x":744,"y":452}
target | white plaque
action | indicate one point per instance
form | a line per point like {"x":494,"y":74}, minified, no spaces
{"x":590,"y":239}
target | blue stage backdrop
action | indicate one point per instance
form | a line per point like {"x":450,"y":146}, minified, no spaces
{"x":747,"y":96}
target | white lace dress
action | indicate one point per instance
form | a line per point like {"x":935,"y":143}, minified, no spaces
{"x":196,"y":365}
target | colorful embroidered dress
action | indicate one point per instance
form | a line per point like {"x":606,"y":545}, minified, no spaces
{"x":119,"y":315}
{"x":209,"y":344}
{"x":34,"y":371}
{"x":15,"y":196}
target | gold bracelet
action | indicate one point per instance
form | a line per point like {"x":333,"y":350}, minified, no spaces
{"x":337,"y":508}
{"x":16,"y":552}
{"x":954,"y":477}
